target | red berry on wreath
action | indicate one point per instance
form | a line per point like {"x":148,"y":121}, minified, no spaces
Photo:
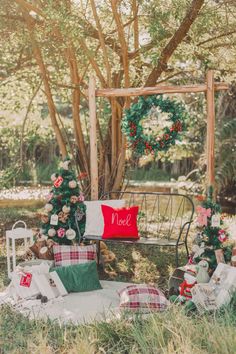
{"x":167,"y":136}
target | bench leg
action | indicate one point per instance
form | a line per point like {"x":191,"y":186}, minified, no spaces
{"x":187,"y":251}
{"x":176,"y":257}
{"x":98,"y":252}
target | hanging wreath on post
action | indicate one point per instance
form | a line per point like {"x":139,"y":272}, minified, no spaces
{"x":153,"y":124}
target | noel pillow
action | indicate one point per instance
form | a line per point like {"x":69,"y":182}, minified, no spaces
{"x":120,"y":223}
{"x":68,"y":255}
{"x":142,"y":298}
{"x":94,"y":219}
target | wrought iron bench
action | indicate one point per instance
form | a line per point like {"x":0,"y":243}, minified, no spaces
{"x":164,"y":219}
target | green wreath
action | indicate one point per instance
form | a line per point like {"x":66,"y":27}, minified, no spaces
{"x":145,"y":143}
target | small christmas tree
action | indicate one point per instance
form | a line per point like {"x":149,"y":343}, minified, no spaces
{"x":65,"y":208}
{"x":213,"y":238}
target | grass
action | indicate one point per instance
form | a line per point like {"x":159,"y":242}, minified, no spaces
{"x":170,"y":332}
{"x":150,"y":174}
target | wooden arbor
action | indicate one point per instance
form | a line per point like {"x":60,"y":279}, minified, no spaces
{"x":209,"y":88}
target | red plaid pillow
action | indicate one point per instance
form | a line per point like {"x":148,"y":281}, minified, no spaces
{"x":67,"y":255}
{"x":142,"y":298}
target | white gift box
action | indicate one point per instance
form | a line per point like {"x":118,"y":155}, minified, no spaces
{"x":218,"y":291}
{"x":42,"y":282}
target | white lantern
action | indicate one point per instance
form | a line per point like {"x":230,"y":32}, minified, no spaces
{"x":16,"y":234}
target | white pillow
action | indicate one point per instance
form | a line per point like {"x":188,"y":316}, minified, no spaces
{"x":94,"y":218}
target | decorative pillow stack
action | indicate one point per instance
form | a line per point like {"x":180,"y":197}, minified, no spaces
{"x":142,"y":298}
{"x":76,"y":267}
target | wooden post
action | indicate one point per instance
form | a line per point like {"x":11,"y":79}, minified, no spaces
{"x":113,"y":134}
{"x":210,"y":129}
{"x":93,"y":139}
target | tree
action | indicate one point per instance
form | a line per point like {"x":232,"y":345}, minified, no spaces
{"x":125,"y":43}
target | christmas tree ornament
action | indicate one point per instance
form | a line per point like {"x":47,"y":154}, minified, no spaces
{"x":203,"y":214}
{"x":215,"y":220}
{"x":48,"y":207}
{"x":219,"y":253}
{"x":66,"y":209}
{"x":73,"y":184}
{"x":222,"y":237}
{"x":73,"y":199}
{"x":65,"y":165}
{"x":82,"y":176}
{"x":53,"y":177}
{"x":70,"y":234}
{"x":81,"y":198}
{"x":54,"y":219}
{"x":44,"y":219}
{"x":80,"y":214}
{"x":202,"y":272}
{"x":61,"y":232}
{"x":58,"y":182}
{"x":51,"y":232}
{"x":63,"y":217}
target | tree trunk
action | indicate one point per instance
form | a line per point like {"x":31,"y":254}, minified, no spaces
{"x":45,"y":78}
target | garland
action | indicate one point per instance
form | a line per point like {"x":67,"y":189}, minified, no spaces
{"x":132,"y":128}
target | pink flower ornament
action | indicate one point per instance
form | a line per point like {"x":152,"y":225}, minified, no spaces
{"x":61,"y":232}
{"x":203,"y":214}
{"x":81,"y":198}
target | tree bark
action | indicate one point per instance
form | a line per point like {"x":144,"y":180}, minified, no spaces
{"x":102,"y":41}
{"x":75,"y":80}
{"x":45,"y":78}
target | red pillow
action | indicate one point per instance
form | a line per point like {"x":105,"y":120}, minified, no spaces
{"x":120,"y":223}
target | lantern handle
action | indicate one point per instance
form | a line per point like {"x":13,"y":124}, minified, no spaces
{"x":18,"y":222}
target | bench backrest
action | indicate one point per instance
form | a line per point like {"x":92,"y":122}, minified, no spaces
{"x":162,"y":215}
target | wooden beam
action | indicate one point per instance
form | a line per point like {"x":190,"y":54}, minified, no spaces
{"x":210,"y":129}
{"x":142,"y":91}
{"x":93,"y":139}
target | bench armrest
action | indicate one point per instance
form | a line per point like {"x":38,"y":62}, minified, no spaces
{"x":186,"y":224}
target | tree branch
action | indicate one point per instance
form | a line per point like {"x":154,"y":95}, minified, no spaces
{"x":216,"y":37}
{"x":177,"y":38}
{"x":124,"y":47}
{"x":25,"y":119}
{"x":102,"y":41}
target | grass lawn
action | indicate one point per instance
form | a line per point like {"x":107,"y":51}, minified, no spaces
{"x":169,"y":332}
